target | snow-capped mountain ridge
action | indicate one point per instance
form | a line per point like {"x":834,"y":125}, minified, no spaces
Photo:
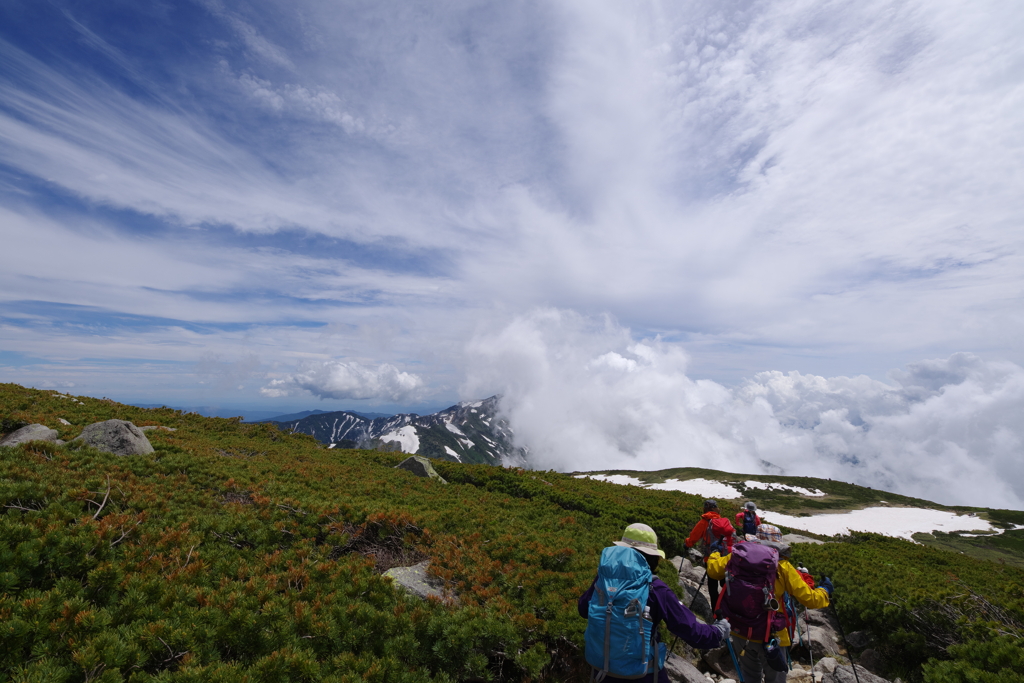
{"x":469,"y":432}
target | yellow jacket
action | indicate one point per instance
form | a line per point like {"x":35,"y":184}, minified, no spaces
{"x":787,"y":580}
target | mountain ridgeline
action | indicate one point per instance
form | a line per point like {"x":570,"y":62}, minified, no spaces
{"x":470,"y":432}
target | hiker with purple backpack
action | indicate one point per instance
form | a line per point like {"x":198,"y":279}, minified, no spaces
{"x":756,"y":576}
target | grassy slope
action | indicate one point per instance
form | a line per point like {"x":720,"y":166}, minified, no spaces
{"x":236,"y":552}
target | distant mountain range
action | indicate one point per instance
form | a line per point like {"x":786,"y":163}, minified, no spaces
{"x":469,"y":432}
{"x":292,"y":417}
{"x":249,"y":414}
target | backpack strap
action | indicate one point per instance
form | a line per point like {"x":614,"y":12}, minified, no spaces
{"x":607,"y":643}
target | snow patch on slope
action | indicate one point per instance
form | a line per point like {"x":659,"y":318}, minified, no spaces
{"x":763,"y":486}
{"x":897,"y":522}
{"x":698,"y":487}
{"x":406,"y":436}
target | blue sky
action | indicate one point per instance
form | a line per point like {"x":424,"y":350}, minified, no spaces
{"x":313,"y":204}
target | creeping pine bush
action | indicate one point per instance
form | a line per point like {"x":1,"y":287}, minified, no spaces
{"x":236,"y":552}
{"x":938,"y":616}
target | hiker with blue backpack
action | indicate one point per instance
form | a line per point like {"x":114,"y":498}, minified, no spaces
{"x":757,"y":575}
{"x":747,"y":521}
{"x":624,"y":606}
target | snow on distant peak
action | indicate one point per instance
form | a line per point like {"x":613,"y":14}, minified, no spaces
{"x":453,"y":453}
{"x":406,"y":436}
{"x":763,"y":486}
{"x":471,"y":404}
{"x":453,"y":429}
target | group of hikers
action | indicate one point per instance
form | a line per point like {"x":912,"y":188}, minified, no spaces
{"x":751,"y":582}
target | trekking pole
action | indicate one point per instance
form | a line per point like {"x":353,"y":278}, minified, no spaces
{"x":810,"y":643}
{"x":696,"y":593}
{"x":842,"y":633}
{"x":695,"y":596}
{"x":732,"y":653}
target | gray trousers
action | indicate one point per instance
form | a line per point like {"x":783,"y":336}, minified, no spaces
{"x":753,"y":664}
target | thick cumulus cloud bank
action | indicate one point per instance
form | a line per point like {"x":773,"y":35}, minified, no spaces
{"x":582,"y":394}
{"x":348,"y":380}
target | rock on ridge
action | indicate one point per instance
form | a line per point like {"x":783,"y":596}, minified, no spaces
{"x":421,"y":467}
{"x":415,"y":580}
{"x":34,"y":432}
{"x":833,"y":672}
{"x":116,"y":436}
{"x":681,"y":671}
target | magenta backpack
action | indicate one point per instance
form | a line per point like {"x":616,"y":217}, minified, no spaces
{"x":748,"y":600}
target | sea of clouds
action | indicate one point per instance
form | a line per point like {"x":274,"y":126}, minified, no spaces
{"x":582,"y":394}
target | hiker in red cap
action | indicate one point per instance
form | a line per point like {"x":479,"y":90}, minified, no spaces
{"x":714,"y":532}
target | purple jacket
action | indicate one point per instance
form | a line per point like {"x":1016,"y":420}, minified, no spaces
{"x":665,"y":606}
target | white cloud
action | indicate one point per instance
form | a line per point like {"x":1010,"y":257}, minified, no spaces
{"x":582,"y":395}
{"x":320,"y":105}
{"x":348,"y":380}
{"x":821,"y":186}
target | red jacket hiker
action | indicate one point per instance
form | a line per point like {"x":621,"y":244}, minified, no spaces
{"x":711,"y":527}
{"x":720,"y":529}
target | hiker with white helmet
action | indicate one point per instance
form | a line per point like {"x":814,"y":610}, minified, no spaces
{"x":624,"y":606}
{"x":757,"y":575}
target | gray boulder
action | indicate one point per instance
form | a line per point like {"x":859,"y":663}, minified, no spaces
{"x":825,"y":642}
{"x":421,"y":467}
{"x":415,"y":580}
{"x":116,"y":436}
{"x":149,"y":428}
{"x":844,"y":674}
{"x":698,"y":603}
{"x":826,"y":665}
{"x":29,"y":433}
{"x":824,"y":630}
{"x":821,"y":617}
{"x":690,"y":578}
{"x":720,"y":662}
{"x":681,"y":671}
{"x":799,"y":676}
{"x":691,"y":572}
{"x":797,"y":538}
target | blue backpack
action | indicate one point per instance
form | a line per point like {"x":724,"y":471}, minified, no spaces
{"x":620,"y":636}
